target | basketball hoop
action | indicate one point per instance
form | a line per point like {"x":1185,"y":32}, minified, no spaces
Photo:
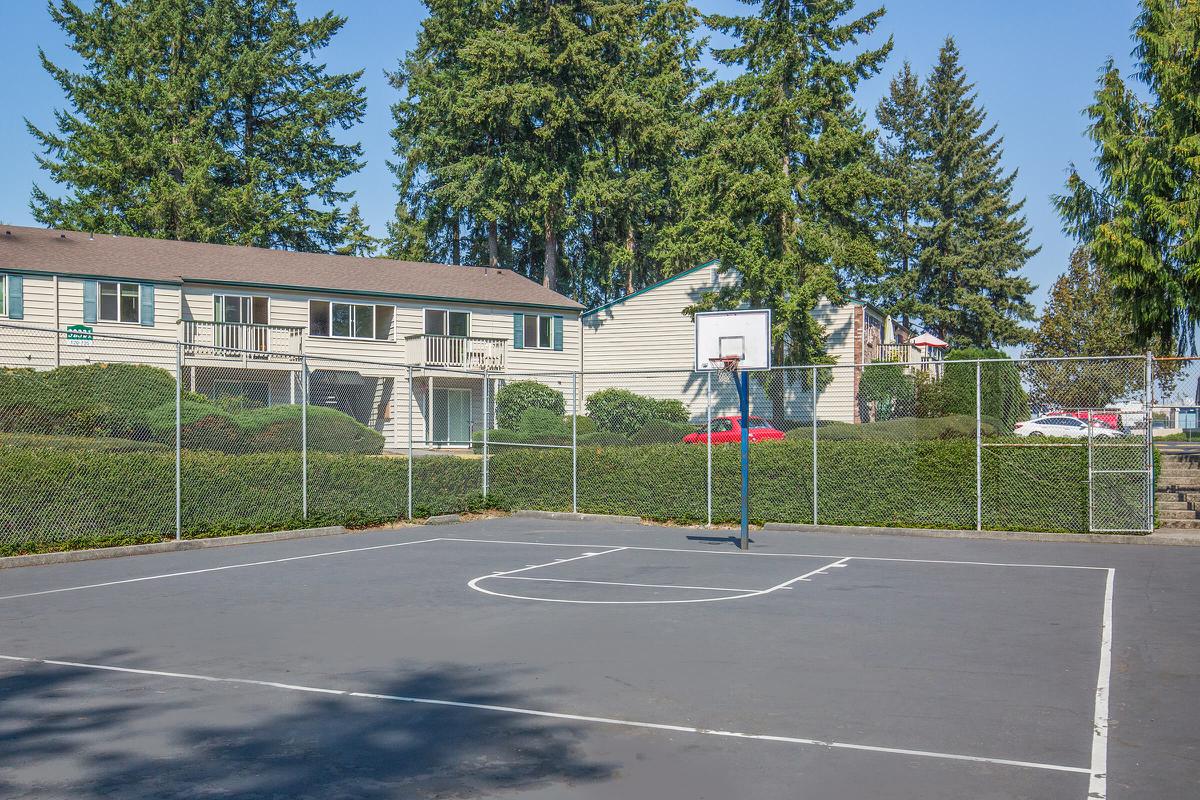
{"x":727,"y":363}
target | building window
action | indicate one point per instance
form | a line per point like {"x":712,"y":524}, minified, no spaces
{"x":539,"y":330}
{"x":120,"y":302}
{"x":440,"y":322}
{"x":350,"y":320}
{"x":241,"y":309}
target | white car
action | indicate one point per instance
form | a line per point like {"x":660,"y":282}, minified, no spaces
{"x":1063,"y":425}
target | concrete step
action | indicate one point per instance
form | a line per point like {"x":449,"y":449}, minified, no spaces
{"x":1176,"y":483}
{"x":1179,"y":524}
{"x":1175,"y":505}
{"x":1181,"y":497}
{"x":1186,"y":514}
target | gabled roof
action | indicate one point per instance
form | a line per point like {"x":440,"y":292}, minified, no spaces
{"x":649,"y":288}
{"x":38,"y":250}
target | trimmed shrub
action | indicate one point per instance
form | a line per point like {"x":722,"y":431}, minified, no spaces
{"x":537,"y":423}
{"x":956,"y":426}
{"x":603,"y":439}
{"x":583,"y":425}
{"x":621,"y":411}
{"x":662,"y":432}
{"x":671,"y":411}
{"x":513,"y":399}
{"x":278,"y":428}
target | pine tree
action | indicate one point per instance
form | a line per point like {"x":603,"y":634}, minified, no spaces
{"x":356,"y":235}
{"x":1083,"y":318}
{"x":628,"y":192}
{"x":973,"y":242}
{"x":906,"y":168}
{"x":204,"y":120}
{"x":784,"y":187}
{"x":1141,"y":220}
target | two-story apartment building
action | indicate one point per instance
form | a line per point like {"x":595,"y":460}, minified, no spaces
{"x":246,"y":315}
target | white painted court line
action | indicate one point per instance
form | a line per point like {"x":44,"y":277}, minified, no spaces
{"x":1098,"y":783}
{"x":745,"y":593}
{"x":744,"y":554}
{"x":553,"y":563}
{"x":617,"y":583}
{"x":215,"y":569}
{"x":530,"y":712}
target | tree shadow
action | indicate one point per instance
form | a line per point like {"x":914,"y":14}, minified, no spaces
{"x":83,"y":734}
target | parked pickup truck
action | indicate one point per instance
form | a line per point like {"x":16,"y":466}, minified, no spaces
{"x":728,"y":430}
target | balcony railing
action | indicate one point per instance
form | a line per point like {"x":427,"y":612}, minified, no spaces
{"x":875,"y":352}
{"x":456,"y":352}
{"x":237,"y":340}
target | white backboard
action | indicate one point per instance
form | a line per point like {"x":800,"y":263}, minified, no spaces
{"x":734,"y":333}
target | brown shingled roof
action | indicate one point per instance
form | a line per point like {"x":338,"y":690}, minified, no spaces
{"x":164,"y":260}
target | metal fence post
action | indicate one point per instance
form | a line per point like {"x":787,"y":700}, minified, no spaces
{"x":486,"y":425}
{"x":978,"y":447}
{"x":574,"y":442}
{"x":178,"y":440}
{"x":814,"y":444}
{"x":1149,"y":405}
{"x":410,"y":443}
{"x":708,"y":444}
{"x":304,"y":436}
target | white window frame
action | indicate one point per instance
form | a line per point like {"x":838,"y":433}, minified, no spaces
{"x":355,"y":310}
{"x":537,"y":327}
{"x":137,"y":320}
{"x":3,"y":295}
{"x":250,"y":298}
{"x":447,"y":312}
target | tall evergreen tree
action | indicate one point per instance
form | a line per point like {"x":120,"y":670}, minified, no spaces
{"x":628,"y":193}
{"x":1142,"y":218}
{"x":204,"y":120}
{"x":906,"y":168}
{"x":784,"y":186}
{"x":974,"y":241}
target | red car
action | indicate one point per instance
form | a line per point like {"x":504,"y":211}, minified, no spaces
{"x":728,"y":430}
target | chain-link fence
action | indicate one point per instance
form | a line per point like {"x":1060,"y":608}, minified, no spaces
{"x":111,"y":439}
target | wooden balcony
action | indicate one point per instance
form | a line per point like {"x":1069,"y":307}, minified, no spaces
{"x":456,"y":352}
{"x":236,"y":341}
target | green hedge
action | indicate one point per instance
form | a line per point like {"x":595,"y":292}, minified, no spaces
{"x":51,"y":498}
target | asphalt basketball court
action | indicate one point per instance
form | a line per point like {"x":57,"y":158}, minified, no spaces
{"x":530,"y":658}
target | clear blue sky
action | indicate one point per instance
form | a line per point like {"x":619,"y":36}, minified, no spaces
{"x":1034,"y":63}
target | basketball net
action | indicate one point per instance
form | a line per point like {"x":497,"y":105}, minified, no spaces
{"x":727,"y":363}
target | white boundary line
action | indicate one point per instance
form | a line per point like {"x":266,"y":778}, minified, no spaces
{"x":474,"y":584}
{"x":556,"y":715}
{"x":1098,"y":783}
{"x":744,"y":554}
{"x":215,"y":569}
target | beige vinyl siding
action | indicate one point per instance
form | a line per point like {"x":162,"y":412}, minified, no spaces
{"x":30,"y":348}
{"x":650,"y":332}
{"x":44,"y":350}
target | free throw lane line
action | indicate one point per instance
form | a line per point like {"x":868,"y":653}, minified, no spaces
{"x":214,"y":569}
{"x":531,"y":712}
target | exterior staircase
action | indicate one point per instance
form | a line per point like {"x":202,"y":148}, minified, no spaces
{"x":1177,"y":493}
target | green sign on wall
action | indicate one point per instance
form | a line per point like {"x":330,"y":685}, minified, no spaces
{"x":79,"y":333}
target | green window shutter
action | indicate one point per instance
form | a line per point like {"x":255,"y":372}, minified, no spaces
{"x":89,"y":301}
{"x":518,"y":331}
{"x":558,"y":323}
{"x":147,"y":315}
{"x":16,"y":297}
